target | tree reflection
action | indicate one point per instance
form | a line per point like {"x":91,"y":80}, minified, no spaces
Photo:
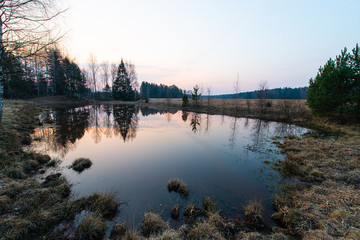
{"x":125,"y":121}
{"x":70,"y":125}
{"x":233,"y":132}
{"x":259,"y":131}
{"x":107,"y":109}
{"x":184,"y":116}
{"x":95,"y":123}
{"x":195,"y":122}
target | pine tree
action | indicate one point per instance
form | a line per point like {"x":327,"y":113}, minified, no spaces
{"x":196,"y":95}
{"x":336,"y":87}
{"x":122,"y":89}
{"x":55,"y":72}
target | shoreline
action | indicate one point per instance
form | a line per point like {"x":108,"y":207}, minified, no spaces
{"x":293,"y":206}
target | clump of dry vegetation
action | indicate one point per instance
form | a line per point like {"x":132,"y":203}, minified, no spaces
{"x":81,"y":164}
{"x":91,"y":227}
{"x":153,"y":224}
{"x":325,"y":202}
{"x":30,"y":207}
{"x":178,"y":186}
{"x":208,"y":205}
{"x":175,"y":212}
{"x":254,"y":211}
{"x":106,"y":205}
{"x":118,"y":231}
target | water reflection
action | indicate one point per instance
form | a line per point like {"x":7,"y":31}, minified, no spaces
{"x":122,"y":121}
{"x":125,"y":121}
{"x":136,"y":150}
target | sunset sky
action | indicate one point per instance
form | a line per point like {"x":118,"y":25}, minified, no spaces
{"x":211,"y":42}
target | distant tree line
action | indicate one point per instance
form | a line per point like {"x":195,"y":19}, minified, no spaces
{"x":152,"y":90}
{"x":51,"y":73}
{"x":336,"y":87}
{"x":276,"y":93}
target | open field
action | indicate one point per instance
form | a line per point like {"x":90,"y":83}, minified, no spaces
{"x":267,"y":109}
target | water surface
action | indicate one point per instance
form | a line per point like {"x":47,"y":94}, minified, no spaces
{"x":136,"y":151}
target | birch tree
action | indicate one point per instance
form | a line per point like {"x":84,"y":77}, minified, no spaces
{"x":26,"y":28}
{"x":93,"y":71}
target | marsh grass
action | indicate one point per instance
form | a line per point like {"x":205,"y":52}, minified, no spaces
{"x":153,"y":224}
{"x":204,"y":231}
{"x":81,"y":164}
{"x":106,"y":205}
{"x":118,"y":232}
{"x":30,"y":209}
{"x":175,"y":212}
{"x":284,"y":110}
{"x":209,"y":205}
{"x":324,"y":204}
{"x":254,"y":211}
{"x":178,"y":186}
{"x":91,"y":227}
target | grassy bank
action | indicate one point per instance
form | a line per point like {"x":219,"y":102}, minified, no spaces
{"x":321,"y":200}
{"x":269,"y":109}
{"x":32,"y":205}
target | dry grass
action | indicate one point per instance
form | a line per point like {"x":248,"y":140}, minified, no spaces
{"x":326,"y":203}
{"x":275,"y":109}
{"x":175,"y":212}
{"x":204,"y":231}
{"x":153,"y":224}
{"x":178,"y":186}
{"x":118,"y":232}
{"x":208,"y":205}
{"x":254,"y":211}
{"x":106,"y":205}
{"x":91,"y":228}
{"x":81,"y":164}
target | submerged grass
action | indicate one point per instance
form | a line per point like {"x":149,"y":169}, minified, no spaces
{"x":81,"y":164}
{"x":178,"y":186}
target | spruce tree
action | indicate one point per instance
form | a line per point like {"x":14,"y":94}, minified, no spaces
{"x":122,"y":89}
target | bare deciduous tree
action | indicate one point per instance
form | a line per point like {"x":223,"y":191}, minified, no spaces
{"x":208,"y":91}
{"x":105,"y":72}
{"x":26,"y":28}
{"x":113,"y":71}
{"x":94,"y":68}
{"x":261,"y":95}
{"x":130,"y":68}
{"x":236,"y":90}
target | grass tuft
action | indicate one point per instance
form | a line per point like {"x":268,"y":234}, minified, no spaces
{"x":81,"y":164}
{"x":5,"y":204}
{"x":204,"y":231}
{"x":106,"y":205}
{"x":118,"y":231}
{"x":175,"y":212}
{"x":254,"y":214}
{"x":152,"y":224}
{"x":208,"y":205}
{"x":91,"y":228}
{"x":177,"y":186}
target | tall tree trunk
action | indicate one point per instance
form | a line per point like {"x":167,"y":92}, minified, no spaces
{"x":1,"y":72}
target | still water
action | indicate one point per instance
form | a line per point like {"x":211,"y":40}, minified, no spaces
{"x":136,"y":151}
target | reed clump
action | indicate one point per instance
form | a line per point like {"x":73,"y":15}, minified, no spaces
{"x":178,"y":186}
{"x":81,"y":164}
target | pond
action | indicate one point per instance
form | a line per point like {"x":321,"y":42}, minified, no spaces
{"x":135,"y":151}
